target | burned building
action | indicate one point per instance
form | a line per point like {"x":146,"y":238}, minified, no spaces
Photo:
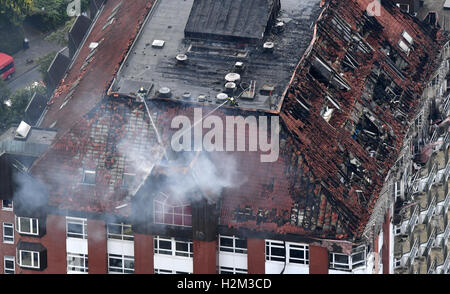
{"x":343,"y":85}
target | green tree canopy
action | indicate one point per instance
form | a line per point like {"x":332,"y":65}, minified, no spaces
{"x":15,"y":10}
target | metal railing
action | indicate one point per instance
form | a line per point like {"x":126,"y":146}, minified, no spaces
{"x":413,"y":219}
{"x":431,"y":176}
{"x":431,"y":208}
{"x":446,"y":263}
{"x":432,"y":268}
{"x":430,"y":241}
{"x":413,"y":252}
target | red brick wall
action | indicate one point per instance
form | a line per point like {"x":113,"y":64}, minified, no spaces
{"x":6,"y":249}
{"x":143,"y":254}
{"x":205,"y":257}
{"x":256,"y":256}
{"x":386,"y":244}
{"x":318,"y":260}
{"x":55,"y":242}
{"x":97,"y":247}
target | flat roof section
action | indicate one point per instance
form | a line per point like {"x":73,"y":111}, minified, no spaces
{"x":227,"y":19}
{"x":199,"y":76}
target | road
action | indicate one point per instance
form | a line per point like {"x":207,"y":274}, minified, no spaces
{"x":25,"y":79}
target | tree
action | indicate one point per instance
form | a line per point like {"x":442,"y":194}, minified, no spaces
{"x":44,"y":63}
{"x":15,"y":10}
{"x":61,"y":36}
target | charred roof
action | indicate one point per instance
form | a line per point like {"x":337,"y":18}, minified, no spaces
{"x":343,"y":117}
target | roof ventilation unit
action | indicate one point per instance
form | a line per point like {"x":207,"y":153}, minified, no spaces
{"x":269,"y":47}
{"x":233,"y":78}
{"x":279,"y":27}
{"x":165,"y":92}
{"x":182,"y":58}
{"x":221,"y":98}
{"x":239,"y":67}
{"x":23,"y":131}
{"x":230,"y":88}
{"x":186,"y":96}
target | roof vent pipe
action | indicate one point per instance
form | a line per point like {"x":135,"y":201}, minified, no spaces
{"x":182,"y":58}
{"x":269,"y":47}
{"x":165,"y":92}
{"x":230,"y":88}
{"x":233,"y":78}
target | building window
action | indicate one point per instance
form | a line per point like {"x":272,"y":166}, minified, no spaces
{"x":76,"y":227}
{"x":77,"y":263}
{"x":7,"y":205}
{"x":397,"y":230}
{"x":298,"y":253}
{"x":345,"y":262}
{"x":232,"y":244}
{"x":89,"y":177}
{"x":397,"y":262}
{"x":26,"y":225}
{"x":292,"y":252}
{"x":163,"y":272}
{"x":170,"y":213}
{"x":9,"y":265}
{"x":169,"y":272}
{"x":173,"y":247}
{"x":8,"y":233}
{"x":120,"y":232}
{"x":275,"y":251}
{"x":340,"y":261}
{"x":230,"y":271}
{"x":121,"y":264}
{"x":29,"y":259}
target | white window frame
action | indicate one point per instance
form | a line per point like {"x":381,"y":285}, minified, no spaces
{"x":77,"y":269}
{"x":7,"y":208}
{"x":32,"y":259}
{"x":11,"y":240}
{"x":234,"y":248}
{"x":169,"y":272}
{"x":287,"y":254}
{"x":344,"y":266}
{"x":122,"y":236}
{"x":275,"y":244}
{"x":165,"y":207}
{"x":77,"y":221}
{"x":33,"y":230}
{"x":350,"y":265}
{"x":173,"y":251}
{"x":234,"y":271}
{"x":9,"y":270}
{"x":397,"y":230}
{"x":397,"y":262}
{"x":122,"y":269}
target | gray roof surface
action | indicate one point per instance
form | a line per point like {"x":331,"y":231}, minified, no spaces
{"x":210,"y":61}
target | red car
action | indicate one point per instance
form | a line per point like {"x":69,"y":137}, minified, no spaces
{"x":6,"y":66}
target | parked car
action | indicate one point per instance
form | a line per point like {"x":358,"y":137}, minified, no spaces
{"x":7,"y":67}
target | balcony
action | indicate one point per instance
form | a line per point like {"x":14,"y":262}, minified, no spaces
{"x":413,"y":220}
{"x":413,"y":253}
{"x":431,"y":239}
